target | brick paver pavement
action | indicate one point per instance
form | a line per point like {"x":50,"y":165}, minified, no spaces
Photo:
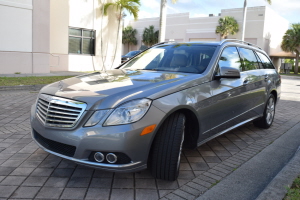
{"x":28,"y":172}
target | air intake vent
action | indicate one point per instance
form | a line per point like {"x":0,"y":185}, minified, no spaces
{"x":59,"y":112}
{"x":57,"y":147}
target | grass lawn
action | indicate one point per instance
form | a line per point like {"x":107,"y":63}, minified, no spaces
{"x":30,"y":80}
{"x":294,"y":191}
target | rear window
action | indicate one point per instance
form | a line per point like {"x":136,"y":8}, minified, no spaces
{"x":188,"y":58}
{"x":267,"y":64}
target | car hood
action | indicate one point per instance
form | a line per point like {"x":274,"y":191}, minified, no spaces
{"x":102,"y":90}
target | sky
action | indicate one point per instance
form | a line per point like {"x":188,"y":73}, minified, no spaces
{"x":289,"y":9}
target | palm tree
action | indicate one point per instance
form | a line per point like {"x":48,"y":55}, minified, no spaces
{"x":227,"y":26}
{"x":245,"y":15}
{"x":163,"y":16}
{"x":131,"y":6}
{"x":150,"y":36}
{"x":291,"y":43}
{"x":128,"y":36}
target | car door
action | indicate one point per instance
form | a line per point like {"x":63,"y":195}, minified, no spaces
{"x":255,"y":84}
{"x":268,"y":71}
{"x":228,"y":95}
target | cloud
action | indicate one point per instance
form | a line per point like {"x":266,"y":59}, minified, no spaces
{"x":153,"y":4}
{"x":145,"y":14}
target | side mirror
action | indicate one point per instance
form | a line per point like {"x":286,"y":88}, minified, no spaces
{"x":228,"y":72}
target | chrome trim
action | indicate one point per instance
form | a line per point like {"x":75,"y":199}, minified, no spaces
{"x":229,"y":129}
{"x":83,"y":162}
{"x":115,"y":158}
{"x":66,"y":114}
{"x":101,"y":155}
{"x":233,"y":118}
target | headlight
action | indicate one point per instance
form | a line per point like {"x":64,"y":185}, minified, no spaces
{"x":129,"y":112}
{"x":96,"y":117}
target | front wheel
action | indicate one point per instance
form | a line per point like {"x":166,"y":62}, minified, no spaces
{"x":267,"y":119}
{"x":164,"y":159}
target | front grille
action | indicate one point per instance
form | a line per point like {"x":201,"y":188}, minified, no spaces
{"x":64,"y":149}
{"x":59,"y":112}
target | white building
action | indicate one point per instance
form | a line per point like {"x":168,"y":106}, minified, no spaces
{"x":264,"y":28}
{"x":39,"y":36}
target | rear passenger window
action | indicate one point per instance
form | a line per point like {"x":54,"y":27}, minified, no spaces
{"x":265,"y":61}
{"x":249,"y":60}
{"x":230,"y":58}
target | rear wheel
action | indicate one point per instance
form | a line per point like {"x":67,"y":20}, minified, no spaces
{"x":267,"y":119}
{"x":164,"y":160}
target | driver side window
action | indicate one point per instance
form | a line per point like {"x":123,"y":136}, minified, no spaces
{"x":230,"y":58}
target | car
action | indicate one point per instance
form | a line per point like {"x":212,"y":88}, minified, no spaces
{"x":129,"y":55}
{"x":141,"y":114}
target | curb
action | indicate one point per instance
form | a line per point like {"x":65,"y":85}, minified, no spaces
{"x":256,"y":175}
{"x":277,"y":188}
{"x":22,"y":87}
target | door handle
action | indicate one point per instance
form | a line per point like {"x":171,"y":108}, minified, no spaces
{"x":246,"y":81}
{"x":266,"y":76}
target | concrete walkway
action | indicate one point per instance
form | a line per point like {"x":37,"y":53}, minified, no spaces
{"x":270,"y":172}
{"x":246,"y":163}
{"x":253,"y":177}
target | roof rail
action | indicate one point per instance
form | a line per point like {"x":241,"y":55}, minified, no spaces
{"x":162,"y":43}
{"x":239,"y":41}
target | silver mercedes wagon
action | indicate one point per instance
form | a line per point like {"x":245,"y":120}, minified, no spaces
{"x":142,"y":113}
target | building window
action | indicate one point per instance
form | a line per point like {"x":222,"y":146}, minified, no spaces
{"x":81,"y":41}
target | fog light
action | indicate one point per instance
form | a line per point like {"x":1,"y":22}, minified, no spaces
{"x":111,"y":158}
{"x":99,"y":157}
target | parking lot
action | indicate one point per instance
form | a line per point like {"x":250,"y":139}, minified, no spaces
{"x":28,"y":172}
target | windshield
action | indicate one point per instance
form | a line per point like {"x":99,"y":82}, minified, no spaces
{"x":189,"y":58}
{"x":132,"y":53}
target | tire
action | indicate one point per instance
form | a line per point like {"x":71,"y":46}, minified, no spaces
{"x":267,"y":119}
{"x":164,"y":159}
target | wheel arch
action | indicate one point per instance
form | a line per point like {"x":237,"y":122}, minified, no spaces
{"x":274,"y":92}
{"x":192,"y":126}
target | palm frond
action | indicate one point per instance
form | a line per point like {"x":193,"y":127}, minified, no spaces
{"x":227,"y":26}
{"x":291,"y":39}
{"x":269,"y":2}
{"x":106,"y":6}
{"x":150,"y":36}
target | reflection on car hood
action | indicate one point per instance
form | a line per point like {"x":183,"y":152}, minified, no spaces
{"x":119,"y":84}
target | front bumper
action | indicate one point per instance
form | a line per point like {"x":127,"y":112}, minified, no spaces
{"x":124,"y":139}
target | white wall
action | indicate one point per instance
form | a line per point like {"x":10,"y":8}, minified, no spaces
{"x":274,"y":30}
{"x":16,"y":25}
{"x":83,"y":14}
{"x":263,"y":26}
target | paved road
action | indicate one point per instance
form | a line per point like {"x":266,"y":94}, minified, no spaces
{"x":28,"y":172}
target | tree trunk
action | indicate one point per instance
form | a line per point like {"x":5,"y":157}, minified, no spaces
{"x":117,"y":39}
{"x":297,"y":63}
{"x":103,"y":62}
{"x":162,"y":24}
{"x":244,"y":20}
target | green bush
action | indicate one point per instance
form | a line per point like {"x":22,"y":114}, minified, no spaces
{"x":293,"y":69}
